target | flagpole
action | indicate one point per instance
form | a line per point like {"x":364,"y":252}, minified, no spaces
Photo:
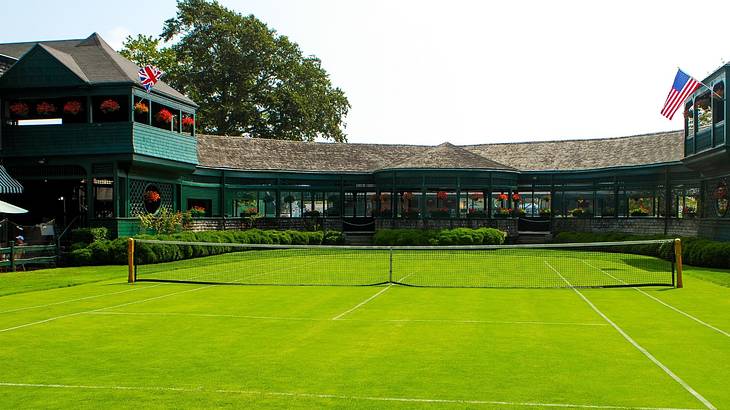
{"x":705,"y":85}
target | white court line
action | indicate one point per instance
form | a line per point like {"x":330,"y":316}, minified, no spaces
{"x":77,"y":299}
{"x":722,"y":332}
{"x":338,"y":317}
{"x":646,"y":353}
{"x":51,"y":319}
{"x":214,"y":315}
{"x":333,"y":396}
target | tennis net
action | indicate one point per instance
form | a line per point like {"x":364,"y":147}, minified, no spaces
{"x":607,"y":264}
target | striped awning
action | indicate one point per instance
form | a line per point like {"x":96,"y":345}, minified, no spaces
{"x":8,"y":184}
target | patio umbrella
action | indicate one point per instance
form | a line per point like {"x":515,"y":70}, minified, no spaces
{"x":6,"y":208}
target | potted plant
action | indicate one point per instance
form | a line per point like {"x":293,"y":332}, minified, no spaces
{"x":19,"y":109}
{"x":45,"y":108}
{"x":188,"y":122}
{"x":640,"y":211}
{"x":503,"y":212}
{"x":141,"y":111}
{"x":109,"y":106}
{"x":197,"y":211}
{"x":545,"y":212}
{"x":164,"y":116}
{"x":72,"y":107}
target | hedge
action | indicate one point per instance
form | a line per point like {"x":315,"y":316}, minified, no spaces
{"x":695,"y":251}
{"x":439,"y":237}
{"x":114,"y":252}
{"x":89,"y":235}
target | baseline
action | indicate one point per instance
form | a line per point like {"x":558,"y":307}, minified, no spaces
{"x":333,"y":396}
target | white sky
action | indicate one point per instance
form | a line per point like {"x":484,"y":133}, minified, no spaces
{"x":425,"y":72}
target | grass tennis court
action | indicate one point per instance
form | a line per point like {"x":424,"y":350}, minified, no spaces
{"x":104,"y":343}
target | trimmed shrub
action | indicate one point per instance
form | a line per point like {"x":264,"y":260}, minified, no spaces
{"x":89,"y":235}
{"x":695,"y":251}
{"x":435,"y":237}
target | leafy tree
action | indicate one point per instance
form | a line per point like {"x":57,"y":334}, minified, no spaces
{"x":247,"y":79}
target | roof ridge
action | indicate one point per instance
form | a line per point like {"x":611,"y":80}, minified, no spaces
{"x":108,"y":50}
{"x":651,"y":134}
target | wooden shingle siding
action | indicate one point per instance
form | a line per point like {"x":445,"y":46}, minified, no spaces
{"x":159,"y":143}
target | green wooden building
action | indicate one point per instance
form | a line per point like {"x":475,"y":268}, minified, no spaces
{"x":92,"y":148}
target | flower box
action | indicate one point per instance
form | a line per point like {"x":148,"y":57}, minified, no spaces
{"x":19,"y":109}
{"x":109,"y":106}
{"x":45,"y":108}
{"x":72,"y":107}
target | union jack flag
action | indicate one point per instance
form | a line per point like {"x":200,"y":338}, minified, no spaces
{"x":149,"y":75}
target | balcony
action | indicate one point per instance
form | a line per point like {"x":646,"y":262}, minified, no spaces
{"x":110,"y":138}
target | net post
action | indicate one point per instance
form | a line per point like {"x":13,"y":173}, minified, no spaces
{"x":678,"y":261}
{"x":130,"y":259}
{"x":390,"y":269}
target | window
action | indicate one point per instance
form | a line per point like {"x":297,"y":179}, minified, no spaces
{"x":332,"y":204}
{"x":441,"y":204}
{"x":248,"y":204}
{"x":473,"y":205}
{"x":199,"y":207}
{"x":291,"y":204}
{"x":409,"y":204}
{"x":501,"y":204}
{"x":685,"y":201}
{"x":640,"y":203}
{"x":165,"y":117}
{"x":704,"y":112}
{"x":718,"y":103}
{"x":103,"y":190}
{"x":605,"y":204}
{"x":114,"y":108}
{"x":47,"y":111}
{"x":579,"y":204}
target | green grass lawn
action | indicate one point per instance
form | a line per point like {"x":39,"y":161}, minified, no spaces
{"x":83,"y":338}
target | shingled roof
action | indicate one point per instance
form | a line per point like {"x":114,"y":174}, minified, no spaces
{"x":93,"y":61}
{"x":279,"y":155}
{"x":644,"y":149}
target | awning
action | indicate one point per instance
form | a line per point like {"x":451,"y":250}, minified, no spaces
{"x":6,"y":208}
{"x":8,"y":184}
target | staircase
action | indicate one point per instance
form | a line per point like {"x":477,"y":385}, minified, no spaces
{"x":526,"y":237}
{"x":359,"y":238}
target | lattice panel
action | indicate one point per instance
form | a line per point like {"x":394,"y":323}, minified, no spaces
{"x":137,"y":189}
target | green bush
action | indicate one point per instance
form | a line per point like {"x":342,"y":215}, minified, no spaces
{"x":89,"y":235}
{"x":695,"y":251}
{"x":115,"y":252}
{"x":435,"y":237}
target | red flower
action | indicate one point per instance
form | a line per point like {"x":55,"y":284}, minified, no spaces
{"x":188,"y":121}
{"x":502,"y":197}
{"x":516,"y":197}
{"x":72,"y":107}
{"x":45,"y":108}
{"x":442,"y":195}
{"x":164,"y":116}
{"x":152,"y":196}
{"x":19,"y":109}
{"x":109,"y":106}
{"x":408,"y":196}
{"x":141,"y":108}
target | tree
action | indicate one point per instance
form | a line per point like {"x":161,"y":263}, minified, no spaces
{"x":247,"y":79}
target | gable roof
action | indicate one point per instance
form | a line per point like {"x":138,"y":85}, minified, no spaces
{"x":228,"y":152}
{"x":92,"y":58}
{"x":449,"y":156}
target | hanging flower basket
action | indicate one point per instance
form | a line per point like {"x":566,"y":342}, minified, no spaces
{"x":72,"y":107}
{"x":188,"y":122}
{"x":476,"y":197}
{"x":141,"y":108}
{"x":408,"y":196}
{"x":45,"y":108}
{"x":109,"y":106}
{"x":502,"y":197}
{"x":152,"y":197}
{"x":516,"y":197}
{"x":442,"y":195}
{"x":19,"y":109}
{"x":164,"y":116}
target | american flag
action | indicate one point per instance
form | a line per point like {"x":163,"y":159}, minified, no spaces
{"x":149,"y":75}
{"x":684,"y":85}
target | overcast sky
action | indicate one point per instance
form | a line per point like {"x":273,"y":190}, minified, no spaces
{"x":425,"y":72}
